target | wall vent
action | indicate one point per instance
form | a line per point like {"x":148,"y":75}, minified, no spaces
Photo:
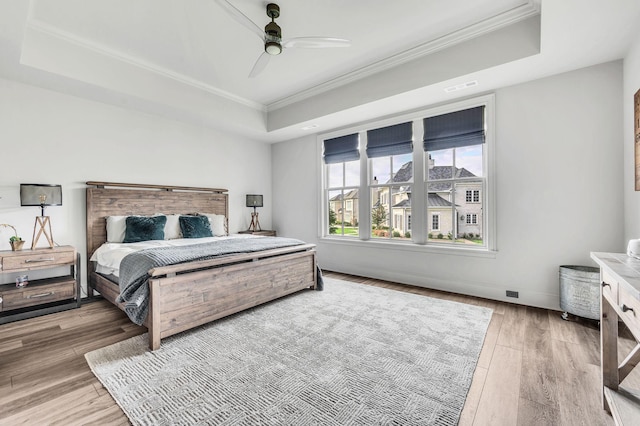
{"x":511,"y":293}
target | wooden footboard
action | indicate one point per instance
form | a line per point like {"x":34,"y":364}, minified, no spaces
{"x":185,"y":301}
{"x":186,"y":296}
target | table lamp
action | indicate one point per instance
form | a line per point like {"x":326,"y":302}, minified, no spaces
{"x":41,"y":195}
{"x":254,"y":201}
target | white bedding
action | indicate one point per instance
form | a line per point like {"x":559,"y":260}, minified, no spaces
{"x":109,"y":255}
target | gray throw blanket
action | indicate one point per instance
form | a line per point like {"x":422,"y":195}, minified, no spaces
{"x":134,"y":268}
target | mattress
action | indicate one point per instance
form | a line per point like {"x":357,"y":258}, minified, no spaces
{"x":108,"y":256}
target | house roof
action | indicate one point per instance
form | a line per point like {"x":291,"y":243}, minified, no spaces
{"x":434,"y":200}
{"x":403,"y":203}
{"x":351,"y":195}
{"x":436,"y":173}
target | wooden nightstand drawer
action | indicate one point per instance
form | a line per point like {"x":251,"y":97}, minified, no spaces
{"x":629,"y":302}
{"x":29,"y":296}
{"x":37,"y":259}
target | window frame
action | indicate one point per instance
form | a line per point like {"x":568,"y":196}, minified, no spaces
{"x":419,"y":225}
{"x":472,"y":196}
{"x":386,"y":196}
{"x":434,"y":216}
{"x":344,"y":191}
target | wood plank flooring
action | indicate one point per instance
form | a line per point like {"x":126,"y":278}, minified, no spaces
{"x":534,"y":369}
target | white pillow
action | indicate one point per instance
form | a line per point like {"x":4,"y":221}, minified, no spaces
{"x":218,"y":224}
{"x":116,"y":227}
{"x":172,"y":227}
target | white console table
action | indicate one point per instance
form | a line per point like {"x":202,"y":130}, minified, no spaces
{"x":619,"y":301}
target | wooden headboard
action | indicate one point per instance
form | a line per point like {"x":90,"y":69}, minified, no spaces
{"x":121,"y":199}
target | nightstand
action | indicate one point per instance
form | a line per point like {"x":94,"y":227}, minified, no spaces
{"x":264,"y":232}
{"x":40,"y":296}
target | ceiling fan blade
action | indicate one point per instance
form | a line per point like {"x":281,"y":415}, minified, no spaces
{"x":241,"y":18}
{"x":315,"y":42}
{"x":260,"y":64}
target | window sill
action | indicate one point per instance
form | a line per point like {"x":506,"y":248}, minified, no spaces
{"x":410,"y":246}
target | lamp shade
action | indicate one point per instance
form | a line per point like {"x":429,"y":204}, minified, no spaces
{"x":254,"y":200}
{"x":33,"y":194}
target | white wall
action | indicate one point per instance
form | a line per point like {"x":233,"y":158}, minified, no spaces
{"x":295,"y":190}
{"x":49,"y":137}
{"x":631,"y":86}
{"x":559,"y":194}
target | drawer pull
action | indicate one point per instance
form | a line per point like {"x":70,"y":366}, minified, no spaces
{"x":33,"y":296}
{"x":605,"y":285}
{"x":625,"y":308}
{"x":51,"y":259}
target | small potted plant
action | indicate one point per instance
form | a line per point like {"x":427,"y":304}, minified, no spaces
{"x":15,"y":241}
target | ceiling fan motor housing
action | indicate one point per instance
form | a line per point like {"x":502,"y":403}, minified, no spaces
{"x":272,"y":31}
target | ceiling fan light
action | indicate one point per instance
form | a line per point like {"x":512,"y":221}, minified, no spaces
{"x":272,"y":48}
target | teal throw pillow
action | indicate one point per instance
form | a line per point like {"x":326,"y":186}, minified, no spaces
{"x":144,"y":228}
{"x":195,"y":227}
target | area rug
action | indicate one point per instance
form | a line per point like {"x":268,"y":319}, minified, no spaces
{"x":350,"y":355}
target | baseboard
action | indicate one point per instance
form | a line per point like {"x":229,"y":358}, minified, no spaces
{"x":483,"y":290}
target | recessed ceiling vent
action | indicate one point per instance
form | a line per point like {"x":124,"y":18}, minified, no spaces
{"x":461,"y":86}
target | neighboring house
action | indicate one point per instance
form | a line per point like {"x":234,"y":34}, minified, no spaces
{"x":452,"y":209}
{"x":345,"y":207}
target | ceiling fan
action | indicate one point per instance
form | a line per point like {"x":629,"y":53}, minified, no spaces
{"x":272,"y":36}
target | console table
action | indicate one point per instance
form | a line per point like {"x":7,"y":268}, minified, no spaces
{"x":619,"y":301}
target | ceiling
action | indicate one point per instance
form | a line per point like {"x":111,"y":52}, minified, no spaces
{"x":189,"y":60}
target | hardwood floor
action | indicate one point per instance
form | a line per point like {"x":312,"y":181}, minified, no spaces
{"x":534,"y":369}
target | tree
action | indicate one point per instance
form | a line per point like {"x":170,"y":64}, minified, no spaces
{"x":379,"y":216}
{"x":332,"y":217}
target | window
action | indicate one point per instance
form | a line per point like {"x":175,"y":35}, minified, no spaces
{"x":342,"y":159}
{"x":472,"y":196}
{"x":390,"y":152}
{"x":371,"y":176}
{"x":435,"y":222}
{"x":454,"y":158}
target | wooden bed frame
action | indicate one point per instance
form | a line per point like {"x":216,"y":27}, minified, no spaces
{"x":187,"y":295}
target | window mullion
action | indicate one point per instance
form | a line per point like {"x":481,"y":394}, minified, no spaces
{"x":419,"y":220}
{"x":454,"y":195}
{"x":364,"y":210}
{"x":390,"y":200}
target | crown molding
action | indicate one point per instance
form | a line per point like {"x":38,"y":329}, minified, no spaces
{"x":512,"y":16}
{"x":52,"y":31}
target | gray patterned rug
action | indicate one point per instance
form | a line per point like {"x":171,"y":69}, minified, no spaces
{"x":350,"y":355}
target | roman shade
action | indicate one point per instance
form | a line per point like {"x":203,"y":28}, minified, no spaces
{"x":454,"y":130}
{"x":391,"y":140}
{"x":341,"y":149}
